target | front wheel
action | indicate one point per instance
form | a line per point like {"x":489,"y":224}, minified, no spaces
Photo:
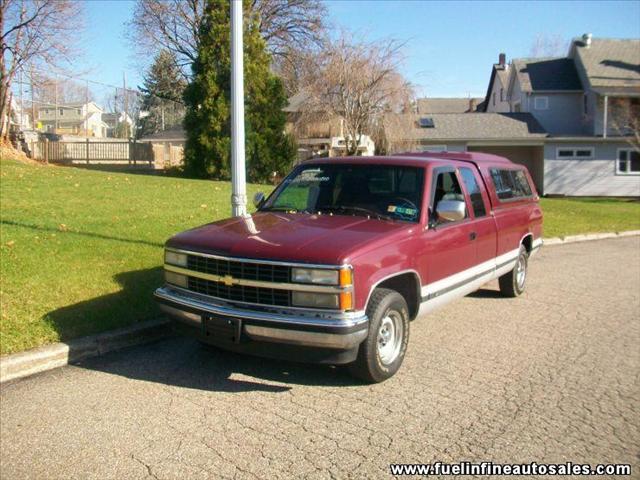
{"x":382,"y":353}
{"x":512,"y":284}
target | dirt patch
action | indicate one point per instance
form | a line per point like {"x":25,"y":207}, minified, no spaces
{"x":8,"y":152}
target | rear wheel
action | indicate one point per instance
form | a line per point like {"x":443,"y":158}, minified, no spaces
{"x":382,"y":353}
{"x":512,"y":284}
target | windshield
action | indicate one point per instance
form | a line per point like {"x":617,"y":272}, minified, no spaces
{"x":378,"y":191}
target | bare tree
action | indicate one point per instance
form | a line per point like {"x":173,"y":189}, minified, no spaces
{"x":359,"y":82}
{"x":624,"y":118}
{"x":174,"y":24}
{"x":35,"y":32}
{"x":49,"y":91}
{"x":548,"y":46}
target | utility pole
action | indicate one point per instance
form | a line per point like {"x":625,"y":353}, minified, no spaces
{"x":55,"y":84}
{"x":33,"y":105}
{"x":126,"y":106}
{"x":238,"y":173}
{"x":21,"y":101}
{"x":86,"y":109}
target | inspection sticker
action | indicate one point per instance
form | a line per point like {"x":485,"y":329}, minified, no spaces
{"x":411,"y":212}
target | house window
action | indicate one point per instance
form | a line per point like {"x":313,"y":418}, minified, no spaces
{"x":628,"y":162}
{"x":517,"y":108}
{"x":541,"y":103}
{"x":61,"y":112}
{"x":585,"y":153}
{"x":494,"y":98}
{"x":79,"y":111}
{"x":502,"y":94}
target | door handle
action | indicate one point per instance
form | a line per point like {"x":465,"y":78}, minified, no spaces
{"x":473,"y":235}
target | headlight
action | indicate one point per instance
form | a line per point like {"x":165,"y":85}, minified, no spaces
{"x":315,"y":300}
{"x":313,"y":275}
{"x":174,"y":258}
{"x":176,"y":279}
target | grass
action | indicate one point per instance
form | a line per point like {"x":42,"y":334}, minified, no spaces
{"x":81,"y":251}
{"x":573,"y":216}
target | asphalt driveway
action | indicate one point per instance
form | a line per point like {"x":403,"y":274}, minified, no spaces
{"x":553,"y":376}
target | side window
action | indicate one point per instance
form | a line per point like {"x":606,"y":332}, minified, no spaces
{"x":510,"y":184}
{"x":474,"y":192}
{"x":447,"y":187}
{"x":522,"y":187}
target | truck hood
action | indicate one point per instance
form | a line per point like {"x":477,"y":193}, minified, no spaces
{"x":305,"y":238}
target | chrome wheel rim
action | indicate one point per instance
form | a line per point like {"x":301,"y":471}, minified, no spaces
{"x":390,"y":337}
{"x":521,"y":271}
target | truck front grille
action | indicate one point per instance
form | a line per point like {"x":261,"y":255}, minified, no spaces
{"x":241,"y":293}
{"x":240,"y":270}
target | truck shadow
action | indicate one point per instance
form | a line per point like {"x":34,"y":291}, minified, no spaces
{"x":175,"y":360}
{"x":183,"y":362}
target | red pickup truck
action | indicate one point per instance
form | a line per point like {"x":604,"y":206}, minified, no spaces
{"x":346,"y":252}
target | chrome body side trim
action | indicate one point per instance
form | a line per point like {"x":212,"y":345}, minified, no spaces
{"x":177,"y":298}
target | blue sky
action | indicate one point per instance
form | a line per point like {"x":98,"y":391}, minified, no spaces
{"x":450,"y":46}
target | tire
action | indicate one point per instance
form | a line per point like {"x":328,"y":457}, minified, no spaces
{"x":382,"y":352}
{"x":512,"y":284}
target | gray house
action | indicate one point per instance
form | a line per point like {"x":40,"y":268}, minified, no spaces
{"x":574,"y":120}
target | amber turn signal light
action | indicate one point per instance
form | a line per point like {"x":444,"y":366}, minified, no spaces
{"x":346,"y":277}
{"x":346,"y":300}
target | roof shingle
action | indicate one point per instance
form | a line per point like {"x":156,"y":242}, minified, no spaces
{"x":546,"y":74}
{"x":446,"y":105}
{"x":610,"y":63}
{"x":478,"y":126}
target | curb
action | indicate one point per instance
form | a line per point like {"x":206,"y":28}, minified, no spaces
{"x":588,"y":237}
{"x":48,"y":357}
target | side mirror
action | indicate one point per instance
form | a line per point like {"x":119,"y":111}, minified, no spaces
{"x":258,"y":199}
{"x":451,"y":210}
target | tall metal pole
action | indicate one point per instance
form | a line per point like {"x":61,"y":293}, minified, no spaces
{"x":238,"y":174}
{"x":126,"y":104}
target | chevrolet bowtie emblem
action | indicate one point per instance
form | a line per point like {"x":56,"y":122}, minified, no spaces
{"x":227,"y":280}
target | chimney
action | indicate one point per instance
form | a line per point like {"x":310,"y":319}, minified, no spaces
{"x":502,"y":59}
{"x":586,"y":39}
{"x":472,"y":104}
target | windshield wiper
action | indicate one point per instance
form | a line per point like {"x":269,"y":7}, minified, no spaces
{"x":361,"y":210}
{"x":282,"y":208}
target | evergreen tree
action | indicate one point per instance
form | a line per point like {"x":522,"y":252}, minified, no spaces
{"x":207,"y":98}
{"x":162,"y":95}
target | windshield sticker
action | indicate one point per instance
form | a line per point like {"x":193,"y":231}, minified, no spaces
{"x":310,"y":176}
{"x":403,"y":212}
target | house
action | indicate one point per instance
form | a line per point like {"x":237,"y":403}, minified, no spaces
{"x":168,"y":146}
{"x":573,"y":120}
{"x":317,"y":134}
{"x":81,"y":119}
{"x":114,"y":121}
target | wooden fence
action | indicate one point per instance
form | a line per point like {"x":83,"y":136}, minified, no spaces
{"x":94,"y":152}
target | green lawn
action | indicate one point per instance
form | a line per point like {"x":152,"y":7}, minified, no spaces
{"x":572,"y":216}
{"x":81,"y":251}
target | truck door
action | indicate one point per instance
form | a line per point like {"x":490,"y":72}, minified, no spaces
{"x":484,"y":225}
{"x":449,"y":247}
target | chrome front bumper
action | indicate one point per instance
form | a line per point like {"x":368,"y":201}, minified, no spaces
{"x":322,"y":330}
